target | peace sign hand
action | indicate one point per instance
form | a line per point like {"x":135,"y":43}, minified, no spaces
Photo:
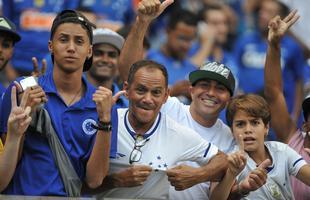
{"x":278,"y":27}
{"x":19,"y":118}
{"x":36,"y":71}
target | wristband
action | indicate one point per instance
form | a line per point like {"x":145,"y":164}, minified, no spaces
{"x":103,"y":126}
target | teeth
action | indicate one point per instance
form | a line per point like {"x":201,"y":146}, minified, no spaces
{"x":208,"y":102}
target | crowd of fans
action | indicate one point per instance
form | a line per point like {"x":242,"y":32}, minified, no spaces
{"x":185,"y":99}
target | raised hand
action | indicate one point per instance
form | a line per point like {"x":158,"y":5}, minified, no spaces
{"x":36,"y":95}
{"x":150,"y":9}
{"x":278,"y":27}
{"x":133,"y":176}
{"x":256,"y":178}
{"x":19,"y":118}
{"x":36,"y":71}
{"x":103,"y":99}
{"x":237,"y":160}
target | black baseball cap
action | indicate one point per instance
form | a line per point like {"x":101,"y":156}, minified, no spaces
{"x":214,"y":71}
{"x":72,"y":16}
{"x":9,"y":27}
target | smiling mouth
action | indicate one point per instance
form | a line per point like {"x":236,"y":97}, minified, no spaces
{"x":208,"y":102}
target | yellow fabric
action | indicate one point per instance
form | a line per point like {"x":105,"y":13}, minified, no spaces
{"x":1,"y":146}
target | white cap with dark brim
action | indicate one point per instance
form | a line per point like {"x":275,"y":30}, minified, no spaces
{"x":107,"y":36}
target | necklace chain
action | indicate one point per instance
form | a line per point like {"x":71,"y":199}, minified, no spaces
{"x":72,"y":100}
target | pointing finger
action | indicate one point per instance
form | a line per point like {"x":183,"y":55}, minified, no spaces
{"x":241,"y":143}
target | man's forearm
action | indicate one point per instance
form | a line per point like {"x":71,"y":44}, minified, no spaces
{"x":98,"y":163}
{"x":215,"y":169}
{"x":107,"y":184}
{"x":132,"y":50}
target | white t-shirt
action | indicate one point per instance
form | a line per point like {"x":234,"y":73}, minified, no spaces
{"x":285,"y":162}
{"x":219,"y":134}
{"x":167,"y":143}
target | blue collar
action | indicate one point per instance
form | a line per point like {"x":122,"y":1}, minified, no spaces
{"x":145,"y":135}
{"x":47,"y":83}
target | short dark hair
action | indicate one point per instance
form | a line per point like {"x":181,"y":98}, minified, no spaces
{"x":209,"y":7}
{"x":184,"y":16}
{"x":252,"y":104}
{"x":72,"y":16}
{"x":146,"y":64}
{"x":284,"y":10}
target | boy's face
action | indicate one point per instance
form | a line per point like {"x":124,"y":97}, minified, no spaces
{"x":6,"y":49}
{"x":70,"y":46}
{"x":251,"y":128}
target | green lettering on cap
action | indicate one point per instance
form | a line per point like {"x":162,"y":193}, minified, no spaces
{"x":4,"y":23}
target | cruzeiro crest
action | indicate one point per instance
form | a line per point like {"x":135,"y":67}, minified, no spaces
{"x":88,"y":128}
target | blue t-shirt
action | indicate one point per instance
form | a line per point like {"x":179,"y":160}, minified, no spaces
{"x":307,"y":74}
{"x":33,"y":20}
{"x":250,"y":56}
{"x":36,"y":172}
{"x":177,"y":69}
{"x":118,"y":11}
{"x":2,"y":90}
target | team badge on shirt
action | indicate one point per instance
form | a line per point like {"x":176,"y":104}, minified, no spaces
{"x":87,"y":126}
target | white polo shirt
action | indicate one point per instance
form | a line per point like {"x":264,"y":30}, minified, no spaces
{"x":167,"y":144}
{"x":219,"y":134}
{"x":285,"y":162}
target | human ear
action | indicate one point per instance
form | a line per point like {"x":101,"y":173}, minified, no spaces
{"x":50,"y":46}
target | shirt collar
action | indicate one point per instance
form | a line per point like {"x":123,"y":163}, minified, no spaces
{"x":47,"y":83}
{"x":147,"y":133}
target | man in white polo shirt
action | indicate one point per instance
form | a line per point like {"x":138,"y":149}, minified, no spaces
{"x":150,"y":143}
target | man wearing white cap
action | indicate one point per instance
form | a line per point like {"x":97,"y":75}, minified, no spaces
{"x":107,"y":45}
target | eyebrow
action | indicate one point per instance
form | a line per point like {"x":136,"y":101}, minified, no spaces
{"x":68,"y":34}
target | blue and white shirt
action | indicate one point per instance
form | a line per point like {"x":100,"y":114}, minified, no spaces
{"x":219,"y":134}
{"x":286,"y":162}
{"x":165,"y":144}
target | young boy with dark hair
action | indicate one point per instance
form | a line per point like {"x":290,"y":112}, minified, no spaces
{"x":248,"y":117}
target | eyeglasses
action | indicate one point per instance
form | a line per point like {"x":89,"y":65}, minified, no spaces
{"x":136,"y":153}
